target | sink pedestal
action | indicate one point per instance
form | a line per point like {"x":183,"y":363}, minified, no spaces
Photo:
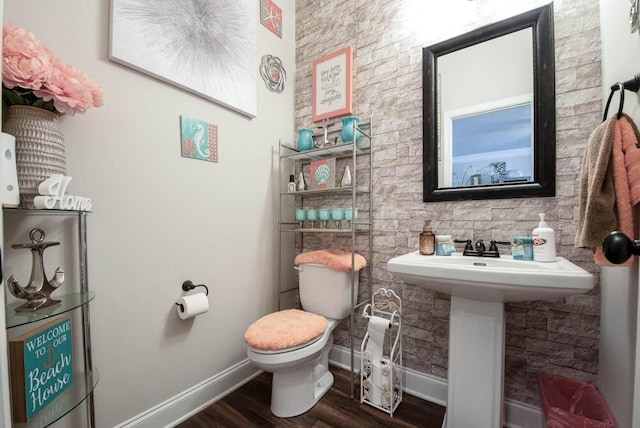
{"x":476,"y":363}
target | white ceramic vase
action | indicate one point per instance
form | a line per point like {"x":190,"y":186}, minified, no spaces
{"x":346,"y":177}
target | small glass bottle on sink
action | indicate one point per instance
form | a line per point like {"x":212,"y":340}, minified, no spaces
{"x":427,"y":240}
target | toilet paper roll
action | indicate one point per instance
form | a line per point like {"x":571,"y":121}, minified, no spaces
{"x":192,"y":305}
{"x":381,"y":382}
{"x":376,"y":330}
{"x":386,"y":386}
{"x":378,"y":324}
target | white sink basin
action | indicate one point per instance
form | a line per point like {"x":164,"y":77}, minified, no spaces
{"x":492,"y":279}
{"x":478,"y":287}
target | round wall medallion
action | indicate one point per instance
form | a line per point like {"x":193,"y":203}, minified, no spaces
{"x":273,"y":73}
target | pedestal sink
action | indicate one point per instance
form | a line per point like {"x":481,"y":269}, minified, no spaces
{"x":479,"y":287}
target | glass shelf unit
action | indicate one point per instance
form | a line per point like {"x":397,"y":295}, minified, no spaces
{"x":359,"y":228}
{"x":81,"y":388}
{"x":40,"y":211}
{"x":338,"y":151}
{"x":68,"y":303}
{"x":81,"y":391}
{"x":347,"y":190}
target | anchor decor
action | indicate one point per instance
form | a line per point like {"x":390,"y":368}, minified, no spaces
{"x":38,"y":291}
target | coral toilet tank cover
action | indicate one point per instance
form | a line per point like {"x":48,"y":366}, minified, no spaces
{"x":332,"y":258}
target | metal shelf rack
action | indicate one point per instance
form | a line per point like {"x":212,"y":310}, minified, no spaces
{"x":292,"y":160}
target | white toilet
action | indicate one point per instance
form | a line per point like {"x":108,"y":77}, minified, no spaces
{"x":301,"y":373}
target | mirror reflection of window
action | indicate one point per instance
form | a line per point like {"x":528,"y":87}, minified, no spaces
{"x":481,"y":85}
{"x":490,"y":144}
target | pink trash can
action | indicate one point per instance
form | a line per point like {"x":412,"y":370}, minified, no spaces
{"x":568,"y":403}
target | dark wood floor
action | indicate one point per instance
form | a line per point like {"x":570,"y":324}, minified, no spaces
{"x":248,"y":406}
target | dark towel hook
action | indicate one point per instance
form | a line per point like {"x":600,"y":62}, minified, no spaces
{"x":618,"y":86}
{"x":632,"y":84}
{"x":621,"y":105}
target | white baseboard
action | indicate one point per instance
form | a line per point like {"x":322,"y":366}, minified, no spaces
{"x":434,"y":389}
{"x":191,"y":401}
{"x":522,"y":415}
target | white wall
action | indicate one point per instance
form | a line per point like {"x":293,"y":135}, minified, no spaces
{"x":160,"y":219}
{"x":620,"y":61}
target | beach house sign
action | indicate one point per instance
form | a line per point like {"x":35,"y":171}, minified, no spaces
{"x":41,"y":367}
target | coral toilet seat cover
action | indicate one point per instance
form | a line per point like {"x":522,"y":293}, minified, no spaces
{"x":284,"y":329}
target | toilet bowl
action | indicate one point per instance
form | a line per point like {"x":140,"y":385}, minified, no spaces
{"x":300,"y":377}
{"x":301,"y":373}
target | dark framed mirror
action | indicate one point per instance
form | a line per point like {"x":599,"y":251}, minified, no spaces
{"x":489,"y":111}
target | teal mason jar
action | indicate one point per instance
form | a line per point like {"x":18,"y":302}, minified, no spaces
{"x":305,"y":139}
{"x":347,"y":129}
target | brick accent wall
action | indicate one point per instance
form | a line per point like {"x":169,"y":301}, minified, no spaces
{"x":558,"y":336}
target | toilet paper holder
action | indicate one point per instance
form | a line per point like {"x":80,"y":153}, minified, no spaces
{"x":381,"y":365}
{"x":188,"y":285}
{"x":367,"y":313}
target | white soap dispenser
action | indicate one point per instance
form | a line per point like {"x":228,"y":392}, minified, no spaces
{"x":544,"y":242}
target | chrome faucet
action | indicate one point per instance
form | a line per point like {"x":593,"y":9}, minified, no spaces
{"x":480,"y":250}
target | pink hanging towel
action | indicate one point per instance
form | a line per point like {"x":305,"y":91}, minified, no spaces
{"x":610,"y":185}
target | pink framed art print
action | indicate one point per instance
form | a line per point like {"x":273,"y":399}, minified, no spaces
{"x":331,"y":87}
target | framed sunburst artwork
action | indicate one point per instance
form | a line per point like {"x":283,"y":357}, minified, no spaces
{"x":207,"y":47}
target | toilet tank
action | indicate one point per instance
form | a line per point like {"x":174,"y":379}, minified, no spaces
{"x":326,"y":292}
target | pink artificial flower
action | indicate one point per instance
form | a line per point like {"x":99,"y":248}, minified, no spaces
{"x":25,"y":61}
{"x":71,"y":90}
{"x":29,"y":65}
